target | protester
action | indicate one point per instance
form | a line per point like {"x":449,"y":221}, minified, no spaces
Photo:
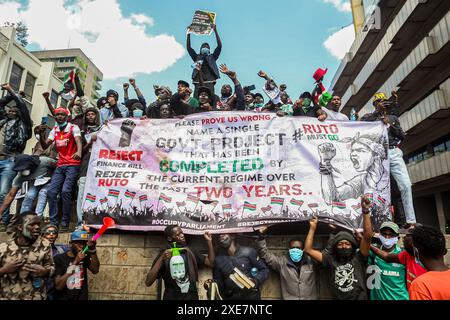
{"x":406,"y":258}
{"x":429,"y":250}
{"x":37,"y":171}
{"x":163,"y":94}
{"x":25,"y":262}
{"x":398,"y":167}
{"x":229,"y":101}
{"x":209,"y":69}
{"x":91,"y":125}
{"x":233,"y":256}
{"x":303,"y":108}
{"x":113,"y":110}
{"x":181,"y":285}
{"x":332,"y":110}
{"x":136,"y":107}
{"x":389,"y":278}
{"x":71,"y":276}
{"x":15,"y":131}
{"x":50,"y":233}
{"x":346,"y":263}
{"x":298,"y":272}
{"x":181,"y":102}
{"x":68,"y":142}
{"x":249,"y":101}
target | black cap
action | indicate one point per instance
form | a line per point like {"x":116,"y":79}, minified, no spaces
{"x":25,"y":162}
{"x":112,"y":93}
{"x":258,"y":95}
{"x":306,"y":95}
{"x":184,"y":83}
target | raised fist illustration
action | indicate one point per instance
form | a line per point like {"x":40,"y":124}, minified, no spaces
{"x":127,"y":130}
{"x":327,"y":152}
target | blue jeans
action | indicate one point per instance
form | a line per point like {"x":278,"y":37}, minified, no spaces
{"x":400,"y":173}
{"x":7,"y":175}
{"x":41,"y":193}
{"x":63,"y":181}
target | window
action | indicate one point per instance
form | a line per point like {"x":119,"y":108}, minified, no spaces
{"x":16,"y":77}
{"x":29,"y":86}
{"x":54,"y":98}
{"x":417,"y":156}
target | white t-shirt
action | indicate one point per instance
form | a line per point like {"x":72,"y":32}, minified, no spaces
{"x":332,"y":115}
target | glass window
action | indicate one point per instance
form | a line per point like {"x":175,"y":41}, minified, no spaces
{"x":16,"y":77}
{"x":29,"y":86}
{"x":439,"y":148}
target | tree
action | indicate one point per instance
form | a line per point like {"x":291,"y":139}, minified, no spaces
{"x":21,"y":32}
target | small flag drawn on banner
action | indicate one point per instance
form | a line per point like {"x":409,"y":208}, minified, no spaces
{"x":226,"y":207}
{"x":339,"y":205}
{"x":113,"y":193}
{"x":313,"y":205}
{"x":193,"y":199}
{"x":104,"y":200}
{"x":369,"y":196}
{"x":129,"y":194}
{"x":143,"y":198}
{"x":296,"y":202}
{"x":91,"y":198}
{"x":356,"y":207}
{"x":249,"y":206}
{"x":165,"y":198}
{"x":266,"y":209}
{"x":276,"y":200}
{"x":181,"y":204}
{"x":381,"y":200}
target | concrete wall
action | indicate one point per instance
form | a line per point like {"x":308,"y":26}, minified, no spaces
{"x":125,"y":260}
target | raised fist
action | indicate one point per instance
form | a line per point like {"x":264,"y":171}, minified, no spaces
{"x":126,"y":86}
{"x":127,"y":130}
{"x":327,"y":152}
{"x":46,"y":95}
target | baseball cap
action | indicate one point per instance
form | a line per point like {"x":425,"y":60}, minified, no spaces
{"x":379,"y":96}
{"x":79,"y":235}
{"x":391,"y":225}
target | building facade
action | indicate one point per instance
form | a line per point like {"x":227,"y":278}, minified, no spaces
{"x":26,"y":73}
{"x":404,"y":46}
{"x":68,"y":59}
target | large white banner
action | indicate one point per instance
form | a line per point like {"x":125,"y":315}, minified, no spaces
{"x":230,"y":172}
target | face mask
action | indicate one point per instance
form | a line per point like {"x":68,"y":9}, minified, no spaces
{"x":226,"y":243}
{"x":38,"y":136}
{"x":388,"y":243}
{"x":62,"y":125}
{"x":306,"y":102}
{"x":259,"y":105}
{"x":296,"y":254}
{"x":138,"y":113}
{"x":204,"y":51}
{"x":26,"y":173}
{"x":344,"y":254}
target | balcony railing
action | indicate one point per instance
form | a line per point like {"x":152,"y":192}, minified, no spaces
{"x":435,"y":166}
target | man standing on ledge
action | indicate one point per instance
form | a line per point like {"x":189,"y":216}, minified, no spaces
{"x":209,"y":68}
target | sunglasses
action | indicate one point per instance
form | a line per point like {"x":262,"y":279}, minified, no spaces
{"x":51,"y":232}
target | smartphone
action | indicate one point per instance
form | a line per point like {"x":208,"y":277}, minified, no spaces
{"x":251,"y":88}
{"x":44,"y":120}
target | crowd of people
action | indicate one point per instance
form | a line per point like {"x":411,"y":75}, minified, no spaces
{"x":33,"y":267}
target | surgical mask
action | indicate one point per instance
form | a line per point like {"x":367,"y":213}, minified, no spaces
{"x":388,"y":243}
{"x":296,"y":254}
{"x":62,"y":125}
{"x":258,"y":105}
{"x":138,"y":113}
{"x":38,"y":137}
{"x":306,"y":102}
{"x":205,"y":51}
{"x":25,"y":173}
{"x":344,"y":254}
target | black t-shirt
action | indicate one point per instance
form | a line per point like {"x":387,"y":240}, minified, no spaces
{"x":349,"y":279}
{"x":77,"y":284}
{"x":171,"y":289}
{"x":311,"y":112}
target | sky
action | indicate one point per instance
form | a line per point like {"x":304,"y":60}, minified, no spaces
{"x":145,"y":39}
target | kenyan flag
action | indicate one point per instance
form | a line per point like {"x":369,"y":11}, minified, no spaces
{"x":129,"y":194}
{"x":276,"y":200}
{"x":380,"y":200}
{"x":339,"y":205}
{"x":113,"y":193}
{"x":296,"y":202}
{"x":249,"y":206}
{"x":91,"y":198}
{"x":369,"y":196}
{"x":143,"y":198}
{"x":165,"y":198}
{"x":226,"y":207}
{"x":193,"y":199}
{"x":104,"y":200}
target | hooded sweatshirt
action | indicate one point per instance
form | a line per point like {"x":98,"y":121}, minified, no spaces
{"x":86,"y":135}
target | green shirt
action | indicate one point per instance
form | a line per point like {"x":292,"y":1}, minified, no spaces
{"x":386,"y":281}
{"x":193,"y":102}
{"x":287,"y":108}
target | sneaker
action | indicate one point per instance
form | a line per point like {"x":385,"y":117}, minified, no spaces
{"x":64,"y":229}
{"x":46,"y":220}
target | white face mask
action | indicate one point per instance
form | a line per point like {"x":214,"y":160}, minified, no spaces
{"x":38,"y":137}
{"x":388,"y":243}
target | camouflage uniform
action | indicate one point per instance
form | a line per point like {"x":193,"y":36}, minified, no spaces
{"x":19,"y":286}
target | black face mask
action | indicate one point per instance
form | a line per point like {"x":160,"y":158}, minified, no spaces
{"x":344,"y":254}
{"x":226,"y":243}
